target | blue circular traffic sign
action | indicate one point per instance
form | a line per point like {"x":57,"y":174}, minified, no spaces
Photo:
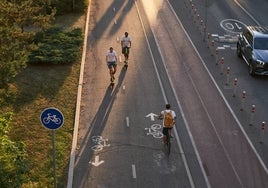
{"x":52,"y":118}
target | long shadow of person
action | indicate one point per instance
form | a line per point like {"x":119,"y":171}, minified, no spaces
{"x":97,"y":126}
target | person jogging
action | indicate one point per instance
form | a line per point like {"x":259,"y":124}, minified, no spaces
{"x":111,"y":60}
{"x":126,"y":45}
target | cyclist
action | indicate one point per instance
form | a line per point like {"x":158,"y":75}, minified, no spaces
{"x":126,"y":45}
{"x":168,"y":117}
{"x":111,"y":60}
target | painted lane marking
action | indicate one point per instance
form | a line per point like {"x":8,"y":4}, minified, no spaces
{"x":97,"y":161}
{"x":127,"y":121}
{"x":152,"y":115}
{"x":155,"y":130}
{"x":232,"y":25}
{"x":100,"y":143}
{"x":238,"y":4}
{"x":134,"y":175}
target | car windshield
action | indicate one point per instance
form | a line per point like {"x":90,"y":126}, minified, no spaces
{"x":261,"y":43}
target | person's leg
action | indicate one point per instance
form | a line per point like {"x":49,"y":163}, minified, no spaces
{"x":170,"y":132}
{"x":165,"y":132}
{"x":114,"y":69}
{"x":126,"y":53}
{"x":111,"y":71}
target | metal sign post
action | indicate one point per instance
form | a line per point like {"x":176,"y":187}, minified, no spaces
{"x":52,"y":119}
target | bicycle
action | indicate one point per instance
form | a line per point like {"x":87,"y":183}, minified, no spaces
{"x":168,"y":143}
{"x":53,"y":118}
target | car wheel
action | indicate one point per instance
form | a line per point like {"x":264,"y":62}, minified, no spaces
{"x":238,"y":50}
{"x":251,"y":69}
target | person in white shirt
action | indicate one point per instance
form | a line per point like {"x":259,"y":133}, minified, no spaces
{"x":126,"y":45}
{"x":111,"y":60}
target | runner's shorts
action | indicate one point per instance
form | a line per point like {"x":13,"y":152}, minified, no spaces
{"x":125,"y":50}
{"x":111,"y":64}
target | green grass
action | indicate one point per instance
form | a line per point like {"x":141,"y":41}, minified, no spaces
{"x":33,"y":90}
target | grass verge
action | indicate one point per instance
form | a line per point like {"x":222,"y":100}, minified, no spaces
{"x":33,"y":90}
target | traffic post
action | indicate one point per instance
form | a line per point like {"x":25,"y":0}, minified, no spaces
{"x":262,"y":131}
{"x":222,"y":63}
{"x":251,"y":115}
{"x":216,"y":56}
{"x":212,"y":47}
{"x":235,"y":87}
{"x":208,"y":38}
{"x":227,"y":75}
{"x":243,"y":100}
{"x":52,"y":119}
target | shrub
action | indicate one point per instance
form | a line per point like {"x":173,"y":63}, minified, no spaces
{"x":57,"y":46}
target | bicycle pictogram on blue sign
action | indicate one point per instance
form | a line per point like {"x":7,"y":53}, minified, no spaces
{"x":52,"y":118}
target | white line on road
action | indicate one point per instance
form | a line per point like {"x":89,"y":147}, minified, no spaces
{"x":238,"y":4}
{"x":134,"y":175}
{"x":165,"y":98}
{"x":127,"y":121}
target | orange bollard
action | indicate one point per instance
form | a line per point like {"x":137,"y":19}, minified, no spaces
{"x":235,"y":87}
{"x":262,"y":131}
{"x":227,"y":75}
{"x":243,"y":100}
{"x":252,"y":114}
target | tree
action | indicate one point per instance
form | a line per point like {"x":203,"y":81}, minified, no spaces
{"x":12,"y":157}
{"x":15,"y":43}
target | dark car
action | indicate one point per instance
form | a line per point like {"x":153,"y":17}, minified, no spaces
{"x":252,"y":46}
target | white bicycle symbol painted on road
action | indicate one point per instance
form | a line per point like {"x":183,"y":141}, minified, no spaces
{"x":155,"y":130}
{"x":100,"y":143}
{"x":53,"y":118}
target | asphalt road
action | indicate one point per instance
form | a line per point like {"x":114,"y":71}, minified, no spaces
{"x":168,"y":63}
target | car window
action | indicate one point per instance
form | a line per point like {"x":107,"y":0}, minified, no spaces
{"x":261,"y":43}
{"x":248,"y":37}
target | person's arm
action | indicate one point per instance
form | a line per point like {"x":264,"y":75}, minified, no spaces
{"x":161,"y":115}
{"x":106,"y":58}
{"x":174,"y":117}
{"x":122,"y":42}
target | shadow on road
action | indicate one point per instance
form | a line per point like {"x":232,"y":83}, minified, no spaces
{"x":85,"y":153}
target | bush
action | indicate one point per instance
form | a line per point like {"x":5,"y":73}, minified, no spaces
{"x":57,"y":46}
{"x":12,"y":157}
{"x":67,"y":6}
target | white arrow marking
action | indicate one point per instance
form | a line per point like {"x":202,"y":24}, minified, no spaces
{"x":152,"y":115}
{"x":97,"y":161}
